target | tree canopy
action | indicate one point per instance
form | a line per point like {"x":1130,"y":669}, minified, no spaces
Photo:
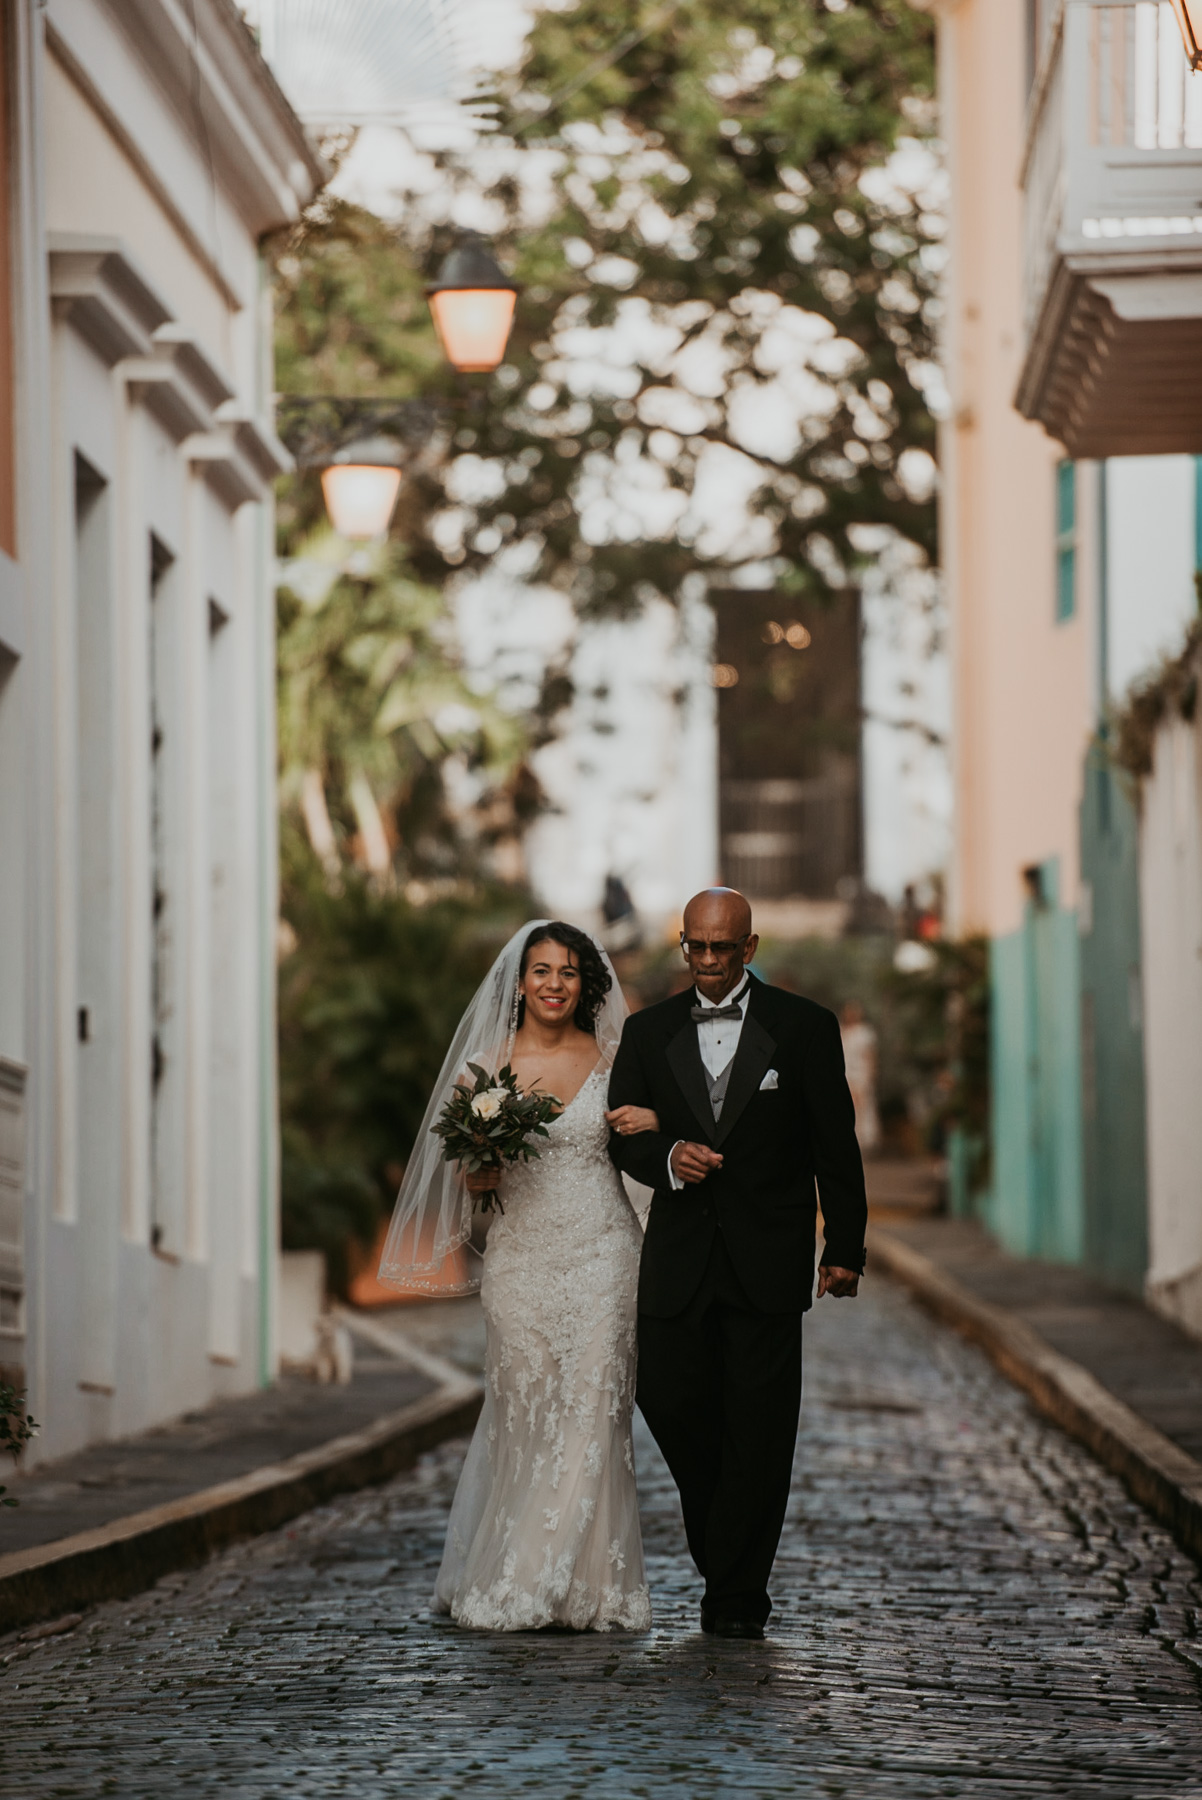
{"x":724,"y":335}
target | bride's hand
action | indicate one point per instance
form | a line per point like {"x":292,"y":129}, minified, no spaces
{"x":628,"y":1121}
{"x":484,"y":1181}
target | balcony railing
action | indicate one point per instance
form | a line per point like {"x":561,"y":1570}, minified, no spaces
{"x":1112,"y":181}
{"x":1141,"y":92}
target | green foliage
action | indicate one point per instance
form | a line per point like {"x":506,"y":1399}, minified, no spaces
{"x":942,"y":1018}
{"x":369,"y":691}
{"x":354,"y":319}
{"x":1172,"y":687}
{"x":16,"y":1428}
{"x":369,"y":999}
{"x":328,"y":1202}
{"x":705,"y":195}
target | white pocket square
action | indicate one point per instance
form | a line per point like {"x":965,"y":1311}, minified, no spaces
{"x":771,"y":1080}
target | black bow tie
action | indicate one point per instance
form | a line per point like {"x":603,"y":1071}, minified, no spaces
{"x":733,"y":1011}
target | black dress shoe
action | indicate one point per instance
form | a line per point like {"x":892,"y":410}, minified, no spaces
{"x":707,"y":1621}
{"x":737,"y":1628}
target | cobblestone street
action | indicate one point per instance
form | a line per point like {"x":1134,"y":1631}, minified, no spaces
{"x":967,"y":1605}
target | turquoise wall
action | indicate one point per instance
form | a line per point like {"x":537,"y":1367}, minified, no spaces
{"x":1036,"y":1206}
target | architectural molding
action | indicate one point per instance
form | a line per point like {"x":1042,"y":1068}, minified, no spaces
{"x":178,"y":383}
{"x":239,"y":459}
{"x":95,"y":285}
{"x":261,"y":447}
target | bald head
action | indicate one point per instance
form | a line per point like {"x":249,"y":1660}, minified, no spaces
{"x":717,"y":912}
{"x":718,"y":940}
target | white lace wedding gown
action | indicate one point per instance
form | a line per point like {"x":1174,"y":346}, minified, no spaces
{"x":544,"y":1528}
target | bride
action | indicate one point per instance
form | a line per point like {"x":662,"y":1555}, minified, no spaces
{"x":544,"y":1528}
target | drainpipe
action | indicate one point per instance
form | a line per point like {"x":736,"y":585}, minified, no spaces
{"x":268,"y":878}
{"x":267,"y":883}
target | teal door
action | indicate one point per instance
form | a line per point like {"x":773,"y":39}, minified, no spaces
{"x":1036,"y":1202}
{"x":1112,"y":1050}
{"x":1054,"y":1072}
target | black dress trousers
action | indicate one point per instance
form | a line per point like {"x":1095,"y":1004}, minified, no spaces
{"x":719,"y":1385}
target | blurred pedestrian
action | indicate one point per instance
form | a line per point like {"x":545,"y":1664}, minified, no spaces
{"x":859,"y":1059}
{"x":623,"y":929}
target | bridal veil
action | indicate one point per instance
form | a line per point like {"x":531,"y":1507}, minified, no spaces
{"x":426,"y":1250}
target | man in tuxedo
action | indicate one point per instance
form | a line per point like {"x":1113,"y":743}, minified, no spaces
{"x":753,"y":1107}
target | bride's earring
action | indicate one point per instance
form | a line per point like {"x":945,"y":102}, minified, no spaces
{"x":514,"y":1008}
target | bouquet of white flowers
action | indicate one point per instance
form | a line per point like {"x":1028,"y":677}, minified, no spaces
{"x":490,"y":1124}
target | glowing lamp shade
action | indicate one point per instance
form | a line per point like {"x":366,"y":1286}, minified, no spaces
{"x":473,"y":304}
{"x":473,"y":324}
{"x":360,"y":489}
{"x":1189,"y":17}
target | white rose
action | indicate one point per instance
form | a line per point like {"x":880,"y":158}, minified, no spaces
{"x":487,"y":1105}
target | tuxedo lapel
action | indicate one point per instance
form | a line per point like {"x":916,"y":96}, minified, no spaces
{"x":684,"y":1060}
{"x":753,"y":1059}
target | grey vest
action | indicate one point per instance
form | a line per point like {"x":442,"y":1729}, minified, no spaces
{"x":718,"y":1087}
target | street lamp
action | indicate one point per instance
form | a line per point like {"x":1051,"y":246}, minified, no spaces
{"x":360,"y":485}
{"x":472,"y":303}
{"x":1189,"y":17}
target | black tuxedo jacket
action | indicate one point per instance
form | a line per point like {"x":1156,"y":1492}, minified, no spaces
{"x":775,"y":1143}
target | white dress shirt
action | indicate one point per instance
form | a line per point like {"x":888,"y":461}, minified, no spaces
{"x":717,"y":1040}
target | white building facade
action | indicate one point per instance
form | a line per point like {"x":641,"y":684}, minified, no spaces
{"x":151,"y":150}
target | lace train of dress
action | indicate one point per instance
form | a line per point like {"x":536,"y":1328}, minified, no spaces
{"x":544,"y":1528}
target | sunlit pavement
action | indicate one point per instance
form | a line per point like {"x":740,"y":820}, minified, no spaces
{"x":967,"y":1605}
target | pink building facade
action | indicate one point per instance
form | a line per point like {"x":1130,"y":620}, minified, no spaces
{"x":1069,"y":529}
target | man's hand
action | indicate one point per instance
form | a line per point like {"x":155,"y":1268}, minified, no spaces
{"x":842,"y":1284}
{"x":691,"y":1163}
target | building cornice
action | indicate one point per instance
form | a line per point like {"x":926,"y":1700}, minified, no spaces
{"x":214,"y":82}
{"x":74,"y":69}
{"x":95,"y":285}
{"x":178,"y":383}
{"x":239,"y":459}
{"x":261,"y":447}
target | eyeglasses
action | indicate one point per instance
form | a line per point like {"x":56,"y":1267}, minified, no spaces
{"x":718,"y":947}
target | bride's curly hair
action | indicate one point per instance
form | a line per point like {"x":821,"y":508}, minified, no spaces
{"x":595,"y":979}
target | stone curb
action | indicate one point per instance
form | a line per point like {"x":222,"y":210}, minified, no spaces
{"x":1156,"y":1472}
{"x":130,"y":1554}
